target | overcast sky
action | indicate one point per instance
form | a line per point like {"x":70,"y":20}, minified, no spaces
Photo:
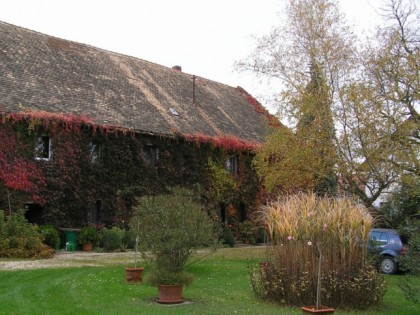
{"x":204,"y":37}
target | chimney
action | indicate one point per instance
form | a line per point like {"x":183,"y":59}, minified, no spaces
{"x":177,"y":68}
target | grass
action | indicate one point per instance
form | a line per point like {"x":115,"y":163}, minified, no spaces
{"x":221,"y":286}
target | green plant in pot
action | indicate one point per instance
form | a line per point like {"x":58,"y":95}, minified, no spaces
{"x":134,"y":274}
{"x":88,"y":237}
{"x":172,"y":227}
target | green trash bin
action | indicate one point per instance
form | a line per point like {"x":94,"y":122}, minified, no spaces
{"x":71,"y":238}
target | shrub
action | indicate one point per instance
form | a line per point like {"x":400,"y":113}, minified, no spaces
{"x":410,"y":261}
{"x":129,"y":240}
{"x":227,"y":237}
{"x":171,"y":228}
{"x":300,"y":227}
{"x":88,"y":235}
{"x":297,"y":288}
{"x":248,"y":230}
{"x":20,"y":239}
{"x":112,"y":239}
{"x":51,"y":237}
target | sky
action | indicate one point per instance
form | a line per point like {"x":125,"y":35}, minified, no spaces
{"x":204,"y":37}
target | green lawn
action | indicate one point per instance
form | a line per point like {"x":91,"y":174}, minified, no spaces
{"x":221,"y":286}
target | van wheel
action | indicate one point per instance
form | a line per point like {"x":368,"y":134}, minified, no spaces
{"x":388,"y":265}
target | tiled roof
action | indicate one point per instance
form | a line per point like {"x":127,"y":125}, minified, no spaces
{"x":40,"y":72}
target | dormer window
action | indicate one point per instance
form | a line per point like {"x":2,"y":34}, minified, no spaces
{"x":232,"y":164}
{"x":173,"y":111}
{"x":95,"y":151}
{"x":42,"y":147}
{"x":151,"y":154}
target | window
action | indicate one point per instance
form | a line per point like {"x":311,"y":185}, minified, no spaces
{"x":42,"y":147}
{"x":173,"y":111}
{"x":151,"y":154}
{"x":232,"y":165}
{"x":95,"y":215}
{"x":379,"y":238}
{"x":95,"y":151}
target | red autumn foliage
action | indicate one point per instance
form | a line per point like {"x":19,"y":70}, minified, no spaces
{"x":272,"y":120}
{"x":225,"y":142}
{"x":16,"y":171}
{"x":50,"y":121}
{"x":58,"y":121}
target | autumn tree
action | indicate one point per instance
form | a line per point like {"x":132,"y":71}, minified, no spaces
{"x":315,"y":128}
{"x":311,"y":54}
{"x":303,"y":160}
{"x":369,"y":122}
{"x":378,"y":113}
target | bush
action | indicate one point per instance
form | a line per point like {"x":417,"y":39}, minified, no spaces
{"x":410,"y":261}
{"x":129,"y":240}
{"x":298,"y":288}
{"x":51,"y":237}
{"x":112,"y":239}
{"x":88,"y":235}
{"x":20,"y":239}
{"x":248,"y":230}
{"x":171,"y":228}
{"x":301,"y":228}
{"x":227,"y":237}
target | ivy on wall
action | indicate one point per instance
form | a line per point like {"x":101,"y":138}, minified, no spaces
{"x":73,"y":183}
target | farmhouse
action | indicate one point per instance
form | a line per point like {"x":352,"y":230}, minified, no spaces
{"x":85,"y":131}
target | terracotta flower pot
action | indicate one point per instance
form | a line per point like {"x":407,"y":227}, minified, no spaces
{"x":321,"y":310}
{"x":87,"y":247}
{"x":133,"y":275}
{"x":170,"y":294}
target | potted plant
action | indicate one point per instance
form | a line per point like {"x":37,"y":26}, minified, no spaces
{"x":134,"y":274}
{"x":318,"y":308}
{"x":171,"y":228}
{"x":88,"y":236}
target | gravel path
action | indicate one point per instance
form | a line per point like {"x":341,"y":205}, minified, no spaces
{"x":64,"y":259}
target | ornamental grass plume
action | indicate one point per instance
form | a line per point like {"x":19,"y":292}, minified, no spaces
{"x":294,"y":223}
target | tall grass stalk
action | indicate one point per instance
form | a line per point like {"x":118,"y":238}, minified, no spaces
{"x":296,"y":224}
{"x":341,"y":225}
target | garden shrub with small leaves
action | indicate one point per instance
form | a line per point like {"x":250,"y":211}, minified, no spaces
{"x":51,"y":237}
{"x":129,"y":239}
{"x":410,"y":261}
{"x":112,"y":239}
{"x":20,"y":239}
{"x":227,"y":237}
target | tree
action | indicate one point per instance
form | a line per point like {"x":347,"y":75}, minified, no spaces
{"x":315,"y":128}
{"x":303,"y":160}
{"x":283,"y":163}
{"x":401,"y":204}
{"x":311,"y":53}
{"x":366,"y":101}
{"x":378,"y":113}
{"x":313,"y":32}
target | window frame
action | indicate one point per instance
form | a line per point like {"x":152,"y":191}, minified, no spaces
{"x":95,"y":151}
{"x":232,"y":164}
{"x":41,"y":153}
{"x":150,"y":154}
